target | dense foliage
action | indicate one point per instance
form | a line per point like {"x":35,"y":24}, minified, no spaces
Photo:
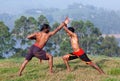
{"x":15,"y":44}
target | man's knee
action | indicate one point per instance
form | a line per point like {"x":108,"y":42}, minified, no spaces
{"x":26,"y":61}
{"x":50,"y":56}
{"x":90,"y":63}
{"x":66,"y":57}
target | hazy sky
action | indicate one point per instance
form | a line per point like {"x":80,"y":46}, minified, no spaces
{"x":16,"y":6}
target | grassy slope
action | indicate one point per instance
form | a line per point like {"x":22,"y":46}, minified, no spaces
{"x":81,"y":72}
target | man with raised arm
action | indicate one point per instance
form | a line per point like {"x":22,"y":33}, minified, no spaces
{"x":78,"y":52}
{"x":36,"y":50}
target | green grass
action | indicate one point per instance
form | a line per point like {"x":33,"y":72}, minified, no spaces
{"x":36,"y":71}
{"x":115,"y":71}
{"x":111,"y":79}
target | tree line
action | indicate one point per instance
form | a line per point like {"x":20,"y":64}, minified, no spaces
{"x":15,"y":44}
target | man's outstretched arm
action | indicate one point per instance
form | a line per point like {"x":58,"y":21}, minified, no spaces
{"x":68,"y":31}
{"x":60,"y":26}
{"x":32,"y":36}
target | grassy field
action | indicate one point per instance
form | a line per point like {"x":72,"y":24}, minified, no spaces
{"x":36,"y":71}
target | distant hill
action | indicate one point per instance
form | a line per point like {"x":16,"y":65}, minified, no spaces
{"x":8,"y":19}
{"x":108,"y":21}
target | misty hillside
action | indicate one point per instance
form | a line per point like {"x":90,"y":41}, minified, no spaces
{"x":7,"y":19}
{"x":108,"y":21}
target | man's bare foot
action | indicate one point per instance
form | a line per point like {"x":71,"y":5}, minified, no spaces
{"x":51,"y":72}
{"x":69,"y":70}
{"x":40,"y":61}
{"x":102,"y":73}
{"x":19,"y":74}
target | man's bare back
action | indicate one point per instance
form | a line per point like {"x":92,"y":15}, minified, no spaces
{"x":41,"y":38}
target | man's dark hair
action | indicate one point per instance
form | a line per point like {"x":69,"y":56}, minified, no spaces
{"x":44,"y":26}
{"x":71,"y":29}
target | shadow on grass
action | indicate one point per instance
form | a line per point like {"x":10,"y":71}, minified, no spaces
{"x":73,"y":64}
{"x":101,"y":62}
{"x":80,"y":66}
{"x":61,"y":67}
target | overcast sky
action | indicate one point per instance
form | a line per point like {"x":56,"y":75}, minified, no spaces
{"x":14,"y":6}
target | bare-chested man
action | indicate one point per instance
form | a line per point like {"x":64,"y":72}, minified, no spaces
{"x":36,"y":49}
{"x":78,"y":52}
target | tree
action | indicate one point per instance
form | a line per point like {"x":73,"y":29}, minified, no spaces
{"x":109,"y":47}
{"x":55,"y":40}
{"x":23,"y":27}
{"x":58,"y":40}
{"x":6,"y":42}
{"x":42,"y":19}
{"x":65,"y":46}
